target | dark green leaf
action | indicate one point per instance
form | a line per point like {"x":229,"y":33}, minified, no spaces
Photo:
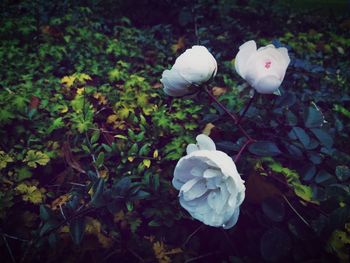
{"x":273,"y":208}
{"x":342,"y":172}
{"x":323,"y":176}
{"x":313,"y":117}
{"x":97,"y":197}
{"x":45,"y":213}
{"x":77,"y":229}
{"x":264,"y":148}
{"x":286,"y":100}
{"x":122,"y":186}
{"x":323,"y":136}
{"x":275,"y":244}
{"x":301,"y":135}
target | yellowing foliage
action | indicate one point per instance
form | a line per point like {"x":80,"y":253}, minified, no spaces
{"x":33,"y":158}
{"x":4,"y":159}
{"x":31,"y":193}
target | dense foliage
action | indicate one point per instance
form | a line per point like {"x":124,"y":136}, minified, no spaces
{"x":89,"y":140}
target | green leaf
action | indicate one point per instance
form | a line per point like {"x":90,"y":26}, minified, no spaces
{"x":100,"y":159}
{"x":57,"y":123}
{"x":23,"y":173}
{"x":313,"y":117}
{"x":95,"y":136}
{"x":77,"y":229}
{"x":273,"y":208}
{"x":264,"y":148}
{"x":275,"y":244}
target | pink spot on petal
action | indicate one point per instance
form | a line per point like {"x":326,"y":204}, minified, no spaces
{"x":268,"y":64}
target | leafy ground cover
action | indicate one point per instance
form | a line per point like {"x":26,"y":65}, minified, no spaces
{"x":89,"y":141}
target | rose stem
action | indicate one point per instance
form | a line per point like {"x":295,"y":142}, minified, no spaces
{"x":233,"y":117}
{"x":246,"y":107}
{"x":242,"y":149}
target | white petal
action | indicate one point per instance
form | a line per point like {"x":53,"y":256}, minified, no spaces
{"x":210,"y":173}
{"x":205,"y":143}
{"x":174,"y":84}
{"x":191,"y":148}
{"x":267,"y":85}
{"x":197,"y":190}
{"x":286,"y":59}
{"x":245,"y":52}
{"x":196,"y":65}
{"x":232,"y":221}
{"x":188,"y":185}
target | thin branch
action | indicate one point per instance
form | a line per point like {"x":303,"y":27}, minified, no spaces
{"x":15,"y":238}
{"x":247,"y":107}
{"x":242,"y":149}
{"x":9,"y":249}
{"x":192,"y":235}
{"x":295,"y":211}
{"x":232,"y":116}
{"x":200,"y":257}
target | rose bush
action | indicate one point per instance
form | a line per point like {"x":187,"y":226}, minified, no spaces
{"x":262,"y":68}
{"x":211,"y":189}
{"x":194,"y":67}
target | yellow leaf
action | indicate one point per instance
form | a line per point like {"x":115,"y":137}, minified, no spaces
{"x":30,"y":193}
{"x":180,"y":44}
{"x":4,"y":159}
{"x":131,"y":159}
{"x":155,"y":154}
{"x":64,"y":109}
{"x":36,"y":157}
{"x":93,"y":227}
{"x":147,"y":163}
{"x":68,"y":81}
{"x":207,"y":129}
{"x":218,"y":91}
{"x":80,"y":91}
{"x":112,"y":118}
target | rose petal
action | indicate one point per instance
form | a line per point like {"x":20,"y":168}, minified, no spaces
{"x":245,"y":52}
{"x":210,"y":173}
{"x":196,"y":65}
{"x":267,"y":85}
{"x":191,"y":148}
{"x":205,"y":143}
{"x":196,"y":190}
{"x":174,"y":84}
{"x":233,"y":220}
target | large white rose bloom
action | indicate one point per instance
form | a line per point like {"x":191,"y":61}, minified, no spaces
{"x":193,"y":67}
{"x":263,"y":69}
{"x":211,"y":189}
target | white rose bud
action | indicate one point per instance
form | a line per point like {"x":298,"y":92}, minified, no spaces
{"x":211,"y":189}
{"x":263,"y":69}
{"x":193,"y":67}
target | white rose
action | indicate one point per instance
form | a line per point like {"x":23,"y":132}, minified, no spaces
{"x":263,"y":69}
{"x":211,"y":189}
{"x":193,"y":67}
